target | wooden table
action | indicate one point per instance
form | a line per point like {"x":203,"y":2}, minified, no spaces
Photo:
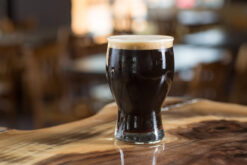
{"x":185,"y":56}
{"x":218,"y":38}
{"x":29,"y":39}
{"x":198,"y":132}
{"x":193,"y":18}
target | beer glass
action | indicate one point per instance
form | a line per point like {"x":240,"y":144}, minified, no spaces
{"x":139,"y":71}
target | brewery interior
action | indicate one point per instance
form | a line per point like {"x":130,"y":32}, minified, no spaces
{"x":52,"y":53}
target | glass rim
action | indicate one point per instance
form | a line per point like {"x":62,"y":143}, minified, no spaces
{"x":142,"y":42}
{"x":140,"y":38}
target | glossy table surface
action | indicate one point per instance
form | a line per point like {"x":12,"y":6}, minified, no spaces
{"x":186,"y":57}
{"x":198,"y":132}
{"x":31,"y":39}
{"x":217,"y":37}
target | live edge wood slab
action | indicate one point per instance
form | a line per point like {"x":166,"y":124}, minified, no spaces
{"x":198,"y":132}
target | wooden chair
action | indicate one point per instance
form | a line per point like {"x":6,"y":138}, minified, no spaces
{"x":209,"y":81}
{"x":10,"y":75}
{"x":84,"y":46}
{"x":45,"y":79}
{"x":78,"y":85}
{"x":238,"y":93}
{"x":179,"y":86}
{"x":6,"y":25}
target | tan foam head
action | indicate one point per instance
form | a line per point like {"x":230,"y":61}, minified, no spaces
{"x":140,"y":42}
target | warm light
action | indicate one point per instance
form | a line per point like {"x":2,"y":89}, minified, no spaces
{"x":78,"y":17}
{"x":129,"y":13}
{"x":99,"y":20}
{"x":185,"y":4}
{"x":160,"y":3}
{"x":91,"y":17}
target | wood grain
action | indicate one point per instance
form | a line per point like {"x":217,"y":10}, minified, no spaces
{"x":197,"y":132}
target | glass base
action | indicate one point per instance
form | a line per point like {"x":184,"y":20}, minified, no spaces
{"x":141,"y":138}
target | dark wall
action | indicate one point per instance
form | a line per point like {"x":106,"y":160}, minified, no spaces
{"x":48,"y":13}
{"x":3,"y":8}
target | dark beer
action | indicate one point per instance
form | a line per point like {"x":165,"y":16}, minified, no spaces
{"x":139,"y":74}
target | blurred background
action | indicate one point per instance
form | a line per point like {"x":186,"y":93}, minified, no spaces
{"x":52,"y":53}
